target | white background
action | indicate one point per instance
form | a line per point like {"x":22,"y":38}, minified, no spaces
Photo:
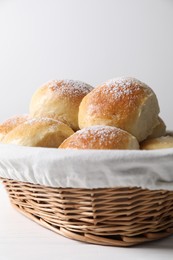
{"x":89,"y":40}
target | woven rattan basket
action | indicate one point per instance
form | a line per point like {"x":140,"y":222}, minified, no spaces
{"x":111,"y":216}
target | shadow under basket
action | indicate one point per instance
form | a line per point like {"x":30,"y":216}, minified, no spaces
{"x":111,"y":216}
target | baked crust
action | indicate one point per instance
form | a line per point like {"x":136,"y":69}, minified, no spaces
{"x":125,"y":102}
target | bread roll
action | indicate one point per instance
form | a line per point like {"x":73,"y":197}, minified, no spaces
{"x":125,"y":102}
{"x":11,"y":123}
{"x":59,"y":99}
{"x":101,"y":137}
{"x":42,"y":132}
{"x":159,"y":130}
{"x":158,"y":143}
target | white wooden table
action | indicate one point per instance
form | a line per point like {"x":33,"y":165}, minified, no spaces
{"x":20,"y":238}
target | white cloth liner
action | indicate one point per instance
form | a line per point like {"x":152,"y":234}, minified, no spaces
{"x":88,"y":168}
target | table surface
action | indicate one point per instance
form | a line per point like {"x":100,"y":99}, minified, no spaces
{"x":21,"y":238}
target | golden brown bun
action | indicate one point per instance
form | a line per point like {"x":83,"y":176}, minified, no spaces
{"x":42,"y":132}
{"x":11,"y":123}
{"x":59,"y":99}
{"x":101,"y":137}
{"x":158,"y":143}
{"x":124,"y":102}
{"x":158,"y":130}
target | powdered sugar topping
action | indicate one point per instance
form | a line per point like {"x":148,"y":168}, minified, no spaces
{"x":40,"y":120}
{"x":123,"y":86}
{"x":70,"y":87}
{"x":124,"y":82}
{"x":102,"y":134}
{"x":15,"y":120}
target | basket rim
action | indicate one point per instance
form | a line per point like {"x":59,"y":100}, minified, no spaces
{"x":88,"y":168}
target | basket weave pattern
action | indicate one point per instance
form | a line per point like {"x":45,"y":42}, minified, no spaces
{"x":111,"y":216}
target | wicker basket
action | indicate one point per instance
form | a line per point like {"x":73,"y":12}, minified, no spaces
{"x":111,"y":216}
